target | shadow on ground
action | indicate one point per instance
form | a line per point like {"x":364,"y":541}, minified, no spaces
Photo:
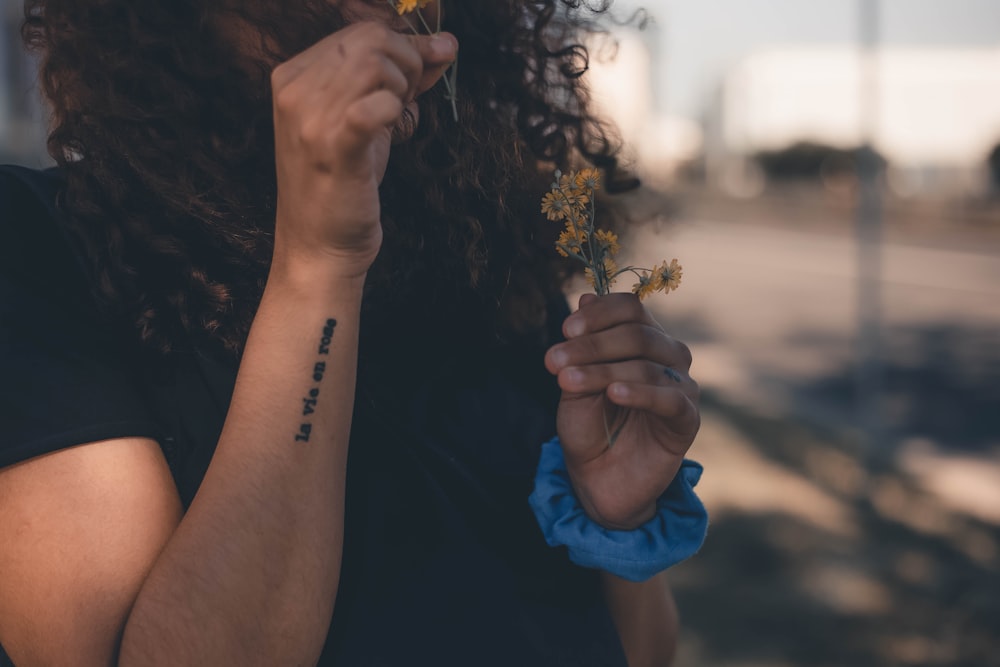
{"x":941,"y":383}
{"x":900,"y":578}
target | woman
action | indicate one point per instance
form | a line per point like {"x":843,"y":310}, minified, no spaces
{"x":267,"y":240}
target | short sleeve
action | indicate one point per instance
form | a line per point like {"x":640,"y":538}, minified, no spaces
{"x":63,"y":378}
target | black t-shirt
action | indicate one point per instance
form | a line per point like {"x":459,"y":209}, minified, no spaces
{"x":443,"y":561}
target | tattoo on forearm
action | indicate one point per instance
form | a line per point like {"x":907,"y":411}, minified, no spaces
{"x":310,"y":402}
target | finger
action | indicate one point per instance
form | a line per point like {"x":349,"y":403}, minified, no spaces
{"x":586,"y":298}
{"x":597,"y":377}
{"x":369,"y":60}
{"x":358,"y":53}
{"x":670,"y":403}
{"x":367,"y":117}
{"x":430,"y":77}
{"x":438,"y":53}
{"x":376,"y":72}
{"x":624,"y":342}
{"x":347,"y":66}
{"x":600,"y":313}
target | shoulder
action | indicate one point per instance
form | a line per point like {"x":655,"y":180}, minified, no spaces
{"x":64,"y":379}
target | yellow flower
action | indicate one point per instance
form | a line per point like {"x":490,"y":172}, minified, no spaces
{"x":644,"y":287}
{"x":555,"y":206}
{"x":667,"y":277}
{"x":576,"y":198}
{"x":567,"y":182}
{"x":609,"y":241}
{"x":407,"y":6}
{"x":575,"y":229}
{"x":568,"y":240}
{"x":567,"y":186}
{"x":588,"y":179}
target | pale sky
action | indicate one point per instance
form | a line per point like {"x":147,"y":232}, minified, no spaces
{"x":698,"y":40}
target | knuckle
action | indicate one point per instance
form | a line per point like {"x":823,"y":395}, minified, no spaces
{"x":695,"y":392}
{"x":286,"y":98}
{"x":312,"y":132}
{"x":279,"y":75}
{"x":356,"y":119}
{"x":685,"y":354}
{"x":695,"y":426}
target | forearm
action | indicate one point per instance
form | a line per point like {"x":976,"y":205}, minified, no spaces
{"x":251,"y":573}
{"x":646,"y":618}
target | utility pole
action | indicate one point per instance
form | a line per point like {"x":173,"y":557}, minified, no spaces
{"x":869,"y":380}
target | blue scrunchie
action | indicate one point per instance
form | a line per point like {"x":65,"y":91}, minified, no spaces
{"x":674,"y":534}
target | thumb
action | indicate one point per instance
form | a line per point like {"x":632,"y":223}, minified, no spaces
{"x":438,"y":53}
{"x":587,"y":298}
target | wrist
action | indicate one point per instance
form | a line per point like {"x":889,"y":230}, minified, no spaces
{"x":676,"y":531}
{"x":630,"y":522}
{"x":318,"y":272}
{"x":609,"y":517}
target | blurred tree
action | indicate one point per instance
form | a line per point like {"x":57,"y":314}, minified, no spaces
{"x":993,"y":163}
{"x":810,"y":161}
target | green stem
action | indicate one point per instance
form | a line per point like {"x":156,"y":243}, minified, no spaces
{"x":633,"y":269}
{"x":451,"y":79}
{"x":602,"y":282}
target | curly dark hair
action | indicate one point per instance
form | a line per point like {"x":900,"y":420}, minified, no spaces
{"x":164,"y":133}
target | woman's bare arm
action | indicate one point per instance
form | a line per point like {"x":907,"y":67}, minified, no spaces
{"x":646,"y":618}
{"x":249,"y":575}
{"x":79,"y":530}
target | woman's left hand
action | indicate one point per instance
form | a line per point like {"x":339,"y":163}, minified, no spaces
{"x":618,"y":364}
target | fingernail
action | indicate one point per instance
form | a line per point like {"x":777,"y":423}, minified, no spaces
{"x":560,"y":358}
{"x":444,"y":44}
{"x":574,"y":327}
{"x":575,"y":376}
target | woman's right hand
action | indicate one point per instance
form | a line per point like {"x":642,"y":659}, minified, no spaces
{"x":335,"y":107}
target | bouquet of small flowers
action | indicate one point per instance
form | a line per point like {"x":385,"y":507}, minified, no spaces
{"x":414,"y":7}
{"x":572,"y":201}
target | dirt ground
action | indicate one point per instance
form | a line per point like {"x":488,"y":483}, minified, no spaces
{"x":812,"y":563}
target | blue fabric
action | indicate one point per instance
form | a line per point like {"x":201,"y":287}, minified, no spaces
{"x":674,"y":534}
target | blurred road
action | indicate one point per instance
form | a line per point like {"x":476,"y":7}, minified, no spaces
{"x":767,"y":306}
{"x":771,"y":315}
{"x":813,"y":560}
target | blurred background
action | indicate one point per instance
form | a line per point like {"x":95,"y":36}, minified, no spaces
{"x":828,"y":173}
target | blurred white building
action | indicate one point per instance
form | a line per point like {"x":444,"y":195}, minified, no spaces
{"x":937,"y":111}
{"x":623,"y":78}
